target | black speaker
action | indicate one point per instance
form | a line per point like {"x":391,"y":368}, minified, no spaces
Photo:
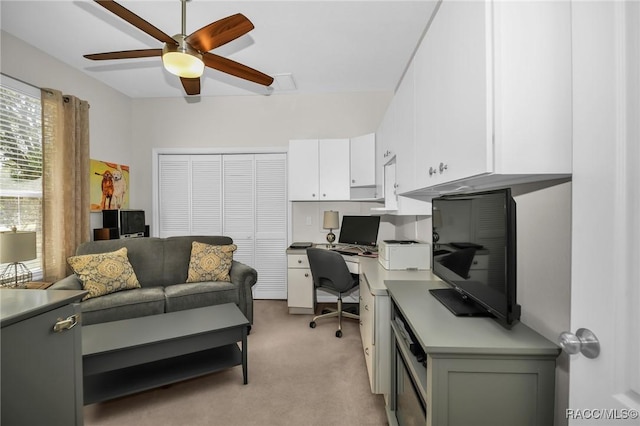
{"x":106,"y":234}
{"x":110,"y":218}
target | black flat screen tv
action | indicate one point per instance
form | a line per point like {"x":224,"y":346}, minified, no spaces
{"x":359,"y":230}
{"x":475,"y":254}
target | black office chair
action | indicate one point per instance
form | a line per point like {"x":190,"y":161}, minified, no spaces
{"x":330,"y":272}
{"x":460,"y":261}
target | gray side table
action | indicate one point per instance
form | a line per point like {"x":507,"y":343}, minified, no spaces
{"x":41,"y":357}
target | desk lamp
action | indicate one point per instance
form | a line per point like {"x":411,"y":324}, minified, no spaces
{"x":330,"y":222}
{"x":16,"y":247}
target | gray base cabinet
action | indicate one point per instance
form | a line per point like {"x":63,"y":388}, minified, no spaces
{"x":460,"y":371}
{"x":41,"y":357}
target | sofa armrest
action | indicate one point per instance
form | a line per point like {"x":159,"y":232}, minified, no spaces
{"x":244,"y":277}
{"x":68,"y":283}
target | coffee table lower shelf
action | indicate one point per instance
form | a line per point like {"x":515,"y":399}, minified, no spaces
{"x":126,"y":381}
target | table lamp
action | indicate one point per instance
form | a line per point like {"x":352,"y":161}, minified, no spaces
{"x":330,"y":222}
{"x":16,"y":247}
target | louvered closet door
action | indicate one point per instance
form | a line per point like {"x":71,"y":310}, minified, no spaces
{"x":271,"y":226}
{"x":242,"y":196}
{"x":173,"y":195}
{"x":239,"y":205}
{"x":206,"y":195}
{"x":190,"y":195}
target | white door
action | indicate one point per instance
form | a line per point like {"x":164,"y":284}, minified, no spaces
{"x":239,"y":205}
{"x":174,"y":196}
{"x":271,"y":226}
{"x":605,"y":291}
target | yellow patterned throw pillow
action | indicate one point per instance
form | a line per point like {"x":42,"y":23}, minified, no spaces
{"x":104,"y":273}
{"x":210,"y":263}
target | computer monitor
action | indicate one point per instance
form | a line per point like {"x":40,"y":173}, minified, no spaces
{"x":359,"y":230}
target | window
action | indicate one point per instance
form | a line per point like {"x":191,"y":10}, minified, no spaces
{"x":21,"y":162}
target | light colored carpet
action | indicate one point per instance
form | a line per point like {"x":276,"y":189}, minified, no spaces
{"x":297,"y":376}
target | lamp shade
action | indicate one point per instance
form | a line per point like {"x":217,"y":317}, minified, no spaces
{"x":17,"y":246}
{"x":181,"y":59}
{"x":330,"y":220}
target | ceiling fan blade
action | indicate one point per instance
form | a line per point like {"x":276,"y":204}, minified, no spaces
{"x":220,"y":32}
{"x":135,"y":20}
{"x":191,"y":85}
{"x":236,"y":69}
{"x":125,"y":54}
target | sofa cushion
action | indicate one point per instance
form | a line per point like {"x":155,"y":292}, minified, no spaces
{"x":123,"y":305}
{"x":104,"y":273}
{"x":210,"y":262}
{"x":147,"y":256}
{"x":196,"y":295}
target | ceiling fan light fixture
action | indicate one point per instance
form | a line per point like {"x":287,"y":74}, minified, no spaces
{"x":182,"y":60}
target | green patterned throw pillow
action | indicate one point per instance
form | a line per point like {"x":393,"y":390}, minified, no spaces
{"x":104,"y":273}
{"x":210,"y":263}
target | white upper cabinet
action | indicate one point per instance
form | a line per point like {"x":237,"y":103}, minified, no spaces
{"x":492,"y":98}
{"x":319,"y":170}
{"x":404,"y":141}
{"x":334,"y":169}
{"x":363,"y":161}
{"x":451,"y":96}
{"x":304,"y":175}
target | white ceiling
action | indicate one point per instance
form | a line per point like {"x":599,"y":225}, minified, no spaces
{"x":328,"y":46}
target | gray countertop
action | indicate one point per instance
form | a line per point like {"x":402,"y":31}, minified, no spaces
{"x":19,"y":304}
{"x":440,"y":332}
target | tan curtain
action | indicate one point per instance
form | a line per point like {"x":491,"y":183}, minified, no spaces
{"x":65,"y":198}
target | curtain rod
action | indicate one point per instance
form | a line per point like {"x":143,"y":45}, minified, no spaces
{"x":21,"y":81}
{"x":65,"y":98}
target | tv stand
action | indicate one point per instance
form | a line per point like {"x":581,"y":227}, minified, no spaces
{"x":459,"y":305}
{"x":475,"y":371}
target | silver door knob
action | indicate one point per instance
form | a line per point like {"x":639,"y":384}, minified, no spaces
{"x":584,"y":341}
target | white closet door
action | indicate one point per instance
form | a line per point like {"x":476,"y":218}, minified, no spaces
{"x":271,"y":226}
{"x":173,"y":195}
{"x":243,"y":196}
{"x":206,"y":195}
{"x":239,"y":205}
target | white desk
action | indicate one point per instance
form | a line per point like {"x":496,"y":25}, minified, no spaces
{"x":375,"y":307}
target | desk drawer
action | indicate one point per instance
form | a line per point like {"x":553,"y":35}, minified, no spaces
{"x":297,"y":261}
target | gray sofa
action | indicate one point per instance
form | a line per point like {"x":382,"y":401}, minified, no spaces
{"x":161,"y":265}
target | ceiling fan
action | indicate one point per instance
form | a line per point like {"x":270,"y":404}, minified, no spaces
{"x":187,"y":55}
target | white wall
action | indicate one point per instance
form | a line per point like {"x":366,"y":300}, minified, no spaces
{"x":242,"y":122}
{"x":110,"y":113}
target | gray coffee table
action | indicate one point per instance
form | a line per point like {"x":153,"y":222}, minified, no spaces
{"x":128,"y":356}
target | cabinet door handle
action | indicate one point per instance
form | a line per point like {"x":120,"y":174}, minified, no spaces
{"x":66,"y":324}
{"x":299,"y":260}
{"x":443,"y":167}
{"x":366,"y":351}
{"x":366,"y":307}
{"x":313,"y":195}
{"x":306,"y":275}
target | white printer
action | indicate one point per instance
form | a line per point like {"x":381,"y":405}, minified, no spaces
{"x":404,"y":254}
